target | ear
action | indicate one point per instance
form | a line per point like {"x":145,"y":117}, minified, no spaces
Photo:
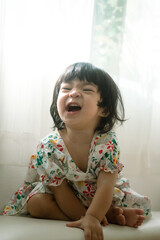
{"x":102,"y":113}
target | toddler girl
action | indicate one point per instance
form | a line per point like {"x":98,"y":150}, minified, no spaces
{"x":76,"y":174}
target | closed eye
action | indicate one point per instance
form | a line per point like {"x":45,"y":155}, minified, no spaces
{"x":88,"y":90}
{"x":65,"y":89}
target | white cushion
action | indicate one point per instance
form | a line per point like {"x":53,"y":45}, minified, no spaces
{"x":27,"y":228}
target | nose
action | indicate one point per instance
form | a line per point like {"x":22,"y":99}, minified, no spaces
{"x":74,"y":93}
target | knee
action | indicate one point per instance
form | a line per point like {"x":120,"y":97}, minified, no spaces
{"x":36,"y":206}
{"x":33,"y":206}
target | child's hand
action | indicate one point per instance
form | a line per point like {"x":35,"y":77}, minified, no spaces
{"x":91,"y":226}
{"x":104,"y":221}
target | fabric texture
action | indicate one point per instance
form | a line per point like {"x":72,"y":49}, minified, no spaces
{"x":53,"y":163}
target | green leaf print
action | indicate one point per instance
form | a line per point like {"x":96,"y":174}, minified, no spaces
{"x":49,"y":154}
{"x":114,"y":141}
{"x":53,"y":150}
{"x":50,"y":136}
{"x":18,"y":196}
{"x":39,"y":160}
{"x":94,"y":159}
{"x":147,"y":211}
{"x":106,"y":154}
{"x":50,"y":146}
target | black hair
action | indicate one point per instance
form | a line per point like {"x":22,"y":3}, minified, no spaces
{"x":111,"y":99}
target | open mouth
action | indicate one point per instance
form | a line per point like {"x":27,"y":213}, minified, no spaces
{"x":73,"y":108}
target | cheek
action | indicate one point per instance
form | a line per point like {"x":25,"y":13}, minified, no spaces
{"x":60,"y":103}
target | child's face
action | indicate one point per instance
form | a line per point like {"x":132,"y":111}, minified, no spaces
{"x":77,"y":104}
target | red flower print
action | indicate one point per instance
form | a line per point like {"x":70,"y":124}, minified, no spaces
{"x":19,"y":192}
{"x":88,"y":185}
{"x":103,"y":168}
{"x":43,"y":178}
{"x":89,"y":193}
{"x":60,"y":147}
{"x":42,"y":146}
{"x":56,"y":180}
{"x":100,"y":151}
{"x":110,"y":146}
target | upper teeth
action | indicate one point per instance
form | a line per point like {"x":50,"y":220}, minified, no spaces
{"x":73,"y":104}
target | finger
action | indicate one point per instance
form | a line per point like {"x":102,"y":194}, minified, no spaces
{"x":87,"y":234}
{"x":97,"y":236}
{"x":100,"y":236}
{"x":76,"y":224}
{"x":104,"y":222}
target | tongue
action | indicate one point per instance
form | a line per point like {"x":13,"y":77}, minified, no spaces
{"x":74,"y":108}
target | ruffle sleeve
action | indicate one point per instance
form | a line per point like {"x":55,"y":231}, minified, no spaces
{"x":50,"y":163}
{"x":108,"y":152}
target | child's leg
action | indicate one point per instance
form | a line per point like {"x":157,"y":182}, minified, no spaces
{"x":43,"y":205}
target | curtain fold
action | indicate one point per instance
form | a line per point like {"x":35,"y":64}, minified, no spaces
{"x":107,"y":34}
{"x":125,"y":42}
{"x":139,"y":80}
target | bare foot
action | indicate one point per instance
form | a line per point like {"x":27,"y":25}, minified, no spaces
{"x":115,"y":215}
{"x":133,"y":216}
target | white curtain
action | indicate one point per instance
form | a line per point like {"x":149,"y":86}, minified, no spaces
{"x":125,"y":42}
{"x":39,"y":38}
{"x":140,"y":84}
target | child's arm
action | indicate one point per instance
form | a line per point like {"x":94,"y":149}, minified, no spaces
{"x":98,"y":208}
{"x":104,"y":195}
{"x":68,"y":202}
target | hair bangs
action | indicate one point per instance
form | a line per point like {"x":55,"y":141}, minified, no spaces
{"x":81,"y":71}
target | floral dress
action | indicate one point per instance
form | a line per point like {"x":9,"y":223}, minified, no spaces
{"x":53,"y":163}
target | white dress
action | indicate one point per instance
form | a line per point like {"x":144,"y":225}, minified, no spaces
{"x":52,"y":164}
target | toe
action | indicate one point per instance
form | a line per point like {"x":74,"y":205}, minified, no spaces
{"x":139,"y":221}
{"x":121,"y":220}
{"x":135,"y":226}
{"x":139,"y":211}
{"x":117,"y":210}
{"x":141,"y":218}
